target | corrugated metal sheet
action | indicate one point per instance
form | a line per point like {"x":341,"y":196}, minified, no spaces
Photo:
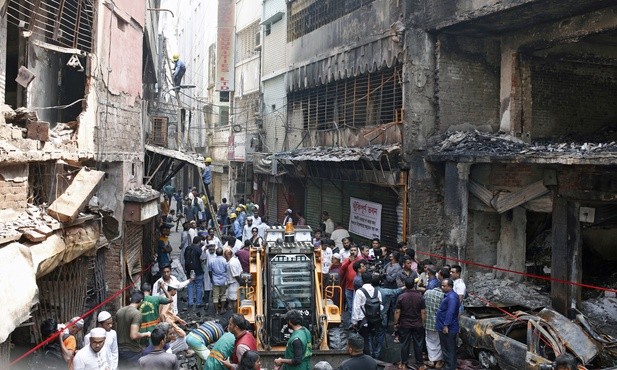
{"x":332,"y":201}
{"x":312,"y":204}
{"x":350,"y":63}
{"x":391,"y":214}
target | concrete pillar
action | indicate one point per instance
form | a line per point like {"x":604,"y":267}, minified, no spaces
{"x":508,"y":58}
{"x":456,"y":198}
{"x":566,"y":262}
{"x":515,"y":94}
{"x":512,"y":243}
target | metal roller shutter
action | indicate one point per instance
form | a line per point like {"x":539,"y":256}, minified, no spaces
{"x":313,"y":204}
{"x":391,"y":213}
{"x":332,"y":200}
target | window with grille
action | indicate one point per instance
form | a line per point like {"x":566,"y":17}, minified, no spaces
{"x":308,"y":15}
{"x":247,"y":41}
{"x":159,"y":130}
{"x":366,"y":100}
{"x":66,"y":23}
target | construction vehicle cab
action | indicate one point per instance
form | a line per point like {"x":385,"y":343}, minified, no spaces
{"x":285,"y":275}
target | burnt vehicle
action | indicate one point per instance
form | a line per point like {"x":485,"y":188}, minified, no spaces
{"x":515,"y":338}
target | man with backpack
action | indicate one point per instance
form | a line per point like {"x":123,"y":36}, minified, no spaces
{"x":366,"y":315}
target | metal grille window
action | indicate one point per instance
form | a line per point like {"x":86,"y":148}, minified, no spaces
{"x":308,"y":15}
{"x":248,"y":41}
{"x":65,"y":23}
{"x":159,"y":130}
{"x":365,"y":100}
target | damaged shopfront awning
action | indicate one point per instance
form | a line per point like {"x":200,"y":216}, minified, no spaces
{"x":377,"y":164}
{"x":162,"y":164}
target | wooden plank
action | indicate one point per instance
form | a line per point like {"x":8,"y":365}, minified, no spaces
{"x":506,"y":201}
{"x":543,"y":204}
{"x":482,"y":193}
{"x":66,"y":208}
{"x":33,"y":236}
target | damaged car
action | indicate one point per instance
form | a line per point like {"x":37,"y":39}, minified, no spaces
{"x":515,"y":338}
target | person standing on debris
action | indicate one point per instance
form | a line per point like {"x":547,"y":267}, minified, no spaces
{"x":68,"y":343}
{"x":129,"y":337}
{"x":299,"y":348}
{"x":105,"y":321}
{"x":233,"y":278}
{"x":447,"y":323}
{"x":192,"y":260}
{"x":160,"y":286}
{"x":159,"y":359}
{"x":179,"y":70}
{"x":358,"y":360}
{"x":207,"y":177}
{"x":94,"y":356}
{"x":163,"y":247}
{"x":459,"y":285}
{"x":409,"y":318}
{"x":218,"y":273}
{"x":432,"y":299}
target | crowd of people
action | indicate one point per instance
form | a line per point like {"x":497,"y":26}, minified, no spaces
{"x":386,"y":291}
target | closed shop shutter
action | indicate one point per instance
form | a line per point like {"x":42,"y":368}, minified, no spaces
{"x":332,"y":201}
{"x":132,"y":248}
{"x":281,"y":205}
{"x":391,"y":213}
{"x":313,"y":204}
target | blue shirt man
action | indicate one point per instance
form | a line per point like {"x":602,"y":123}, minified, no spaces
{"x":179,"y":70}
{"x":447,"y":323}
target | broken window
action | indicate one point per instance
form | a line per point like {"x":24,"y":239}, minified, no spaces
{"x":365,"y":100}
{"x":308,"y":15}
{"x":65,"y":23}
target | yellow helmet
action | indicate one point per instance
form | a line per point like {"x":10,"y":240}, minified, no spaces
{"x":175,"y":57}
{"x":208,"y":160}
{"x":233,"y":215}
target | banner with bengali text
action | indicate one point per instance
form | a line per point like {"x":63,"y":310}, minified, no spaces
{"x":364,"y":218}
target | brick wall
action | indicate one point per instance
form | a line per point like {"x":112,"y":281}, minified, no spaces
{"x":118,"y":132}
{"x":572,"y":98}
{"x":468,"y":83}
{"x":14,"y":187}
{"x":113,"y":275}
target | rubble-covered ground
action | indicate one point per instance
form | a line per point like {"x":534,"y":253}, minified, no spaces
{"x":601,"y":312}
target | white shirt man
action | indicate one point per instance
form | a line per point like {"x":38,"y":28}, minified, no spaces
{"x":359,"y":299}
{"x":261,"y":230}
{"x":105,"y":321}
{"x":246,"y":231}
{"x":234,"y":271}
{"x":326,"y":258}
{"x":168,"y":278}
{"x":95,"y":356}
{"x":235,"y":246}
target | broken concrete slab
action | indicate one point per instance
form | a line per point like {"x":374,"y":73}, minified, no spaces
{"x":66,"y":208}
{"x":34,"y":236}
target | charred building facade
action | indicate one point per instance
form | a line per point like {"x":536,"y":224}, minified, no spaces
{"x":516,"y":148}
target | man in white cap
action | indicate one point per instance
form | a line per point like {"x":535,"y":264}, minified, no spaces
{"x":68,"y":343}
{"x":106,"y":322}
{"x":95,"y":356}
{"x":288,"y":217}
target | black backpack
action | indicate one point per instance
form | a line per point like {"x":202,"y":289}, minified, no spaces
{"x":372,"y":308}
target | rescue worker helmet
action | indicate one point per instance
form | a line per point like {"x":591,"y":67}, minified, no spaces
{"x":175,"y":57}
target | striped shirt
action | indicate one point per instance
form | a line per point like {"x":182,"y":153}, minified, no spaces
{"x":209,"y":332}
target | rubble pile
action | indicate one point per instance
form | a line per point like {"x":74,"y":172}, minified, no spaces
{"x":483,"y":143}
{"x":503,"y":292}
{"x":62,"y":133}
{"x":602,"y":314}
{"x":33,"y":219}
{"x":141,"y":193}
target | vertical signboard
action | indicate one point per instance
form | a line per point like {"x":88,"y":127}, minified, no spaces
{"x":230,"y":148}
{"x":364,"y":218}
{"x":225,"y":45}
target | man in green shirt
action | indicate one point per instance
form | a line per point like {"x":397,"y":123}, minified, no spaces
{"x":222,"y":349}
{"x":150,"y":308}
{"x":299,"y":346}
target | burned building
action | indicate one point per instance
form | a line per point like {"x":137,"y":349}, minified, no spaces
{"x":517,"y":146}
{"x":74,"y":212}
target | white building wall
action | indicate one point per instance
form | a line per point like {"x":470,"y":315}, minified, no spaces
{"x":247,"y":11}
{"x":275,"y":112}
